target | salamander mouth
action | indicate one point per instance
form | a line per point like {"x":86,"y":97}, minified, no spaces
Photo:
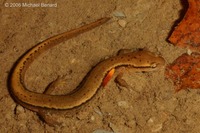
{"x":152,"y":66}
{"x":144,"y":67}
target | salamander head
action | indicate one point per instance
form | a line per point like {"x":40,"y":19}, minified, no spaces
{"x":148,"y":59}
{"x":151,"y":59}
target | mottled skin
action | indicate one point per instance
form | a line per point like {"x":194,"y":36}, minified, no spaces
{"x":140,"y":60}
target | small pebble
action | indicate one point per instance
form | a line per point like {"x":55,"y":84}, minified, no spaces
{"x":98,"y":112}
{"x":119,"y":14}
{"x":92,"y":118}
{"x":150,"y":121}
{"x":73,"y":61}
{"x":19,"y":109}
{"x":15,"y":49}
{"x":122,"y":23}
{"x":123,"y":104}
{"x":189,"y":52}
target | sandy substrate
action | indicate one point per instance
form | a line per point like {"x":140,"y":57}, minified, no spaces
{"x":156,"y":108}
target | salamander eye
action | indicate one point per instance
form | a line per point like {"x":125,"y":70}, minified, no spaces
{"x":153,"y":65}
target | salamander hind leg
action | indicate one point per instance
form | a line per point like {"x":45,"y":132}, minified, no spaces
{"x":55,"y":84}
{"x":44,"y":114}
